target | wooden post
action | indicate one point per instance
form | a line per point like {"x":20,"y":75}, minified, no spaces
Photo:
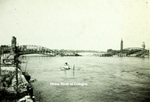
{"x":73,"y":70}
{"x":16,"y":65}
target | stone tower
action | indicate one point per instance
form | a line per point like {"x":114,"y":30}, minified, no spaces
{"x":13,"y":45}
{"x":143,"y":45}
{"x":121,"y":45}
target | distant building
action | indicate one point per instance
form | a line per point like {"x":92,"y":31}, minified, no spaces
{"x":143,"y":45}
{"x":121,"y":45}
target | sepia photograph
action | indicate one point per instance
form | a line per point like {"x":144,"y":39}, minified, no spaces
{"x":74,"y":50}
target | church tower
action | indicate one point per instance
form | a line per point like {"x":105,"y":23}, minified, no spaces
{"x":143,"y":45}
{"x":121,"y":45}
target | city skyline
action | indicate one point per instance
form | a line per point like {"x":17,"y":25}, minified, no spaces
{"x":80,"y":25}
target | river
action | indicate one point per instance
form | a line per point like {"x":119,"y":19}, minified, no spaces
{"x":95,"y":79}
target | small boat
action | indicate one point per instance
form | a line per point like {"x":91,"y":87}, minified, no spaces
{"x":65,"y":68}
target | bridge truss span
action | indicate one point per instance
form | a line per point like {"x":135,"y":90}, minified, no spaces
{"x":35,"y":49}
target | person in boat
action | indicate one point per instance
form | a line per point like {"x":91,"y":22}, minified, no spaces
{"x":66,"y":66}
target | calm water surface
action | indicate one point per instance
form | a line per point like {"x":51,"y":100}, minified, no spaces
{"x":108,"y":79}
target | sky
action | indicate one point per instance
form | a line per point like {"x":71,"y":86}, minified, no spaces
{"x":76,"y":24}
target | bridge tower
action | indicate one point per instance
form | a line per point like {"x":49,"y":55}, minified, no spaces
{"x":13,"y":45}
{"x":121,"y":45}
{"x":143,"y":45}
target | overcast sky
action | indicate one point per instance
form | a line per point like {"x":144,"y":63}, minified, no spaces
{"x":76,"y":24}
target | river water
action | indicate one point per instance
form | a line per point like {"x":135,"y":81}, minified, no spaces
{"x":95,"y":79}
